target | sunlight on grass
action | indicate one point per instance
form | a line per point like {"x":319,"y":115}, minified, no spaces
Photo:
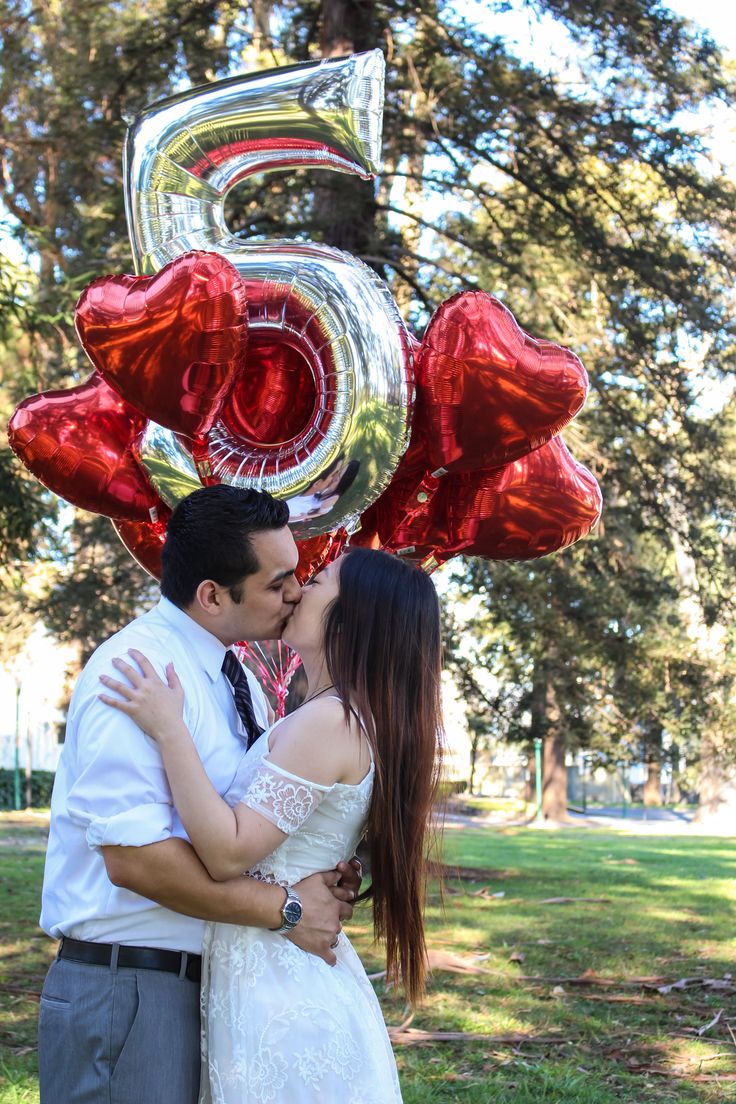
{"x":668,"y":913}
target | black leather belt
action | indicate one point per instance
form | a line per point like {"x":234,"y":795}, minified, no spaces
{"x":136,"y":958}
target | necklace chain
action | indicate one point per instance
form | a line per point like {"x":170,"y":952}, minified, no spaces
{"x":316,"y":693}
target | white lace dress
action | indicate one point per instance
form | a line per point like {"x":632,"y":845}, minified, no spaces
{"x":278,"y":1024}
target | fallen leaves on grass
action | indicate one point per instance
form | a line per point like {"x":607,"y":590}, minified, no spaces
{"x":447,"y":961}
{"x":31,"y":994}
{"x":724,"y":984}
{"x":711,"y":1023}
{"x":685,"y":1075}
{"x":455,"y":964}
{"x":642,"y":1062}
{"x":438,"y":960}
{"x":589,"y":977}
{"x":576,"y":900}
{"x":470,"y":873}
{"x":414,"y":1036}
{"x":614,"y":998}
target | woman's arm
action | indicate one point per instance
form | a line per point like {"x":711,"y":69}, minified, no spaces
{"x":228,"y":841}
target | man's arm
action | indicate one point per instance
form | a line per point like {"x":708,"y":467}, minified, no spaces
{"x":170,"y":874}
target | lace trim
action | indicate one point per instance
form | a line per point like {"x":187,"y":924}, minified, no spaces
{"x":263,"y":876}
{"x":282,"y":798}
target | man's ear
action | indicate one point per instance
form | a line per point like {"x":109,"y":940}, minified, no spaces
{"x":208,"y":598}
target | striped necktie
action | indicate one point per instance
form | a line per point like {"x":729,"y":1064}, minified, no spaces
{"x":236,"y":676}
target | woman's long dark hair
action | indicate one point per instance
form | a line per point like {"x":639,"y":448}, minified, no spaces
{"x":383,"y":651}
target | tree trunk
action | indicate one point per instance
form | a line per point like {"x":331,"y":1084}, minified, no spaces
{"x":262,"y":39}
{"x":717,"y":790}
{"x":29,"y":765}
{"x":530,"y":786}
{"x":348,"y":27}
{"x":653,"y":784}
{"x":554,"y":777}
{"x":717,"y":782}
{"x":546,"y":723}
{"x":411,"y":231}
{"x":474,"y":745}
{"x":345,"y":206}
{"x":673,"y":794}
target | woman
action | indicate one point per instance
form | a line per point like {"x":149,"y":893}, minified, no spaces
{"x":360,"y":753}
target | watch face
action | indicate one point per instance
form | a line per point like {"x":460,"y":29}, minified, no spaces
{"x":292,"y":912}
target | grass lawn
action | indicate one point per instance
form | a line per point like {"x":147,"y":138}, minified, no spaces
{"x":520,"y":985}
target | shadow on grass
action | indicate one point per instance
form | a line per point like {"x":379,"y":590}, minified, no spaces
{"x":669,"y":911}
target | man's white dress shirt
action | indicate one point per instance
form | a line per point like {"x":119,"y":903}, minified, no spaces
{"x":111,"y":787}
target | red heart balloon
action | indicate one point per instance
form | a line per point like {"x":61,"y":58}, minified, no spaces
{"x":145,"y":539}
{"x":403,"y":511}
{"x":78,"y":444}
{"x":316,"y":552}
{"x":171,"y":344}
{"x":537,"y":505}
{"x":541,"y":503}
{"x":488,"y":392}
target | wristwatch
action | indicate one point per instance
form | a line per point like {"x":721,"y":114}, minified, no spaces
{"x":291,"y":912}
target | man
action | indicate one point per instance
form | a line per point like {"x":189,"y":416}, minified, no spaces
{"x":123,"y":889}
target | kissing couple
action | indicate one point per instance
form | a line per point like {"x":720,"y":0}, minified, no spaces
{"x":201,"y":858}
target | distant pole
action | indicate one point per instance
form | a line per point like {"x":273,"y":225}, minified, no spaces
{"x":538,"y":764}
{"x":625,"y":808}
{"x":584,"y":761}
{"x":29,"y":763}
{"x":16,"y":766}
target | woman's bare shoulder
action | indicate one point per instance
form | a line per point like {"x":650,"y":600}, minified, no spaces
{"x":317,"y":742}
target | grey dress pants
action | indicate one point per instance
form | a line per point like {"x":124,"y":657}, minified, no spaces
{"x":112,"y":1035}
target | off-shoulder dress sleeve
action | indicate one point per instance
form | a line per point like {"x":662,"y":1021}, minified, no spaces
{"x":283,"y":798}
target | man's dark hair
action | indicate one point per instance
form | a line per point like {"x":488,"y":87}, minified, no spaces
{"x":208,"y":537}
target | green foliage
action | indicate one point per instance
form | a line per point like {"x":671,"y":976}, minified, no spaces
{"x":99,"y":590}
{"x":581,"y":193}
{"x":26,"y":512}
{"x":612,"y":645}
{"x":69,"y":76}
{"x":41,"y":785}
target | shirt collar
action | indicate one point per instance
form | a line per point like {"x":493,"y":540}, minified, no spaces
{"x":208,"y":649}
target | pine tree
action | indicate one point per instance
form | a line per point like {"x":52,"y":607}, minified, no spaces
{"x":584,"y":197}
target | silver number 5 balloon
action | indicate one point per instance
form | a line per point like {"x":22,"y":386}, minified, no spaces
{"x":332,"y":322}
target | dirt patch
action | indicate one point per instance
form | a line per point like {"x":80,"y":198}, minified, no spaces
{"x":23,"y":841}
{"x":24,"y":831}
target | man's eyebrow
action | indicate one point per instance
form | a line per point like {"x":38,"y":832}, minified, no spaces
{"x":281,"y":575}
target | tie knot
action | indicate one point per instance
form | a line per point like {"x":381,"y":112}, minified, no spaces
{"x":231,"y":668}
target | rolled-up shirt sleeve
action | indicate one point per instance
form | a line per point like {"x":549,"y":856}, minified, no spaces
{"x":135,"y":827}
{"x":120,"y":794}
